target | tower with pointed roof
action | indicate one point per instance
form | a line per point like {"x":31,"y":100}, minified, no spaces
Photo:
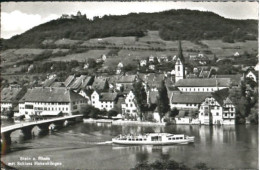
{"x":179,"y":65}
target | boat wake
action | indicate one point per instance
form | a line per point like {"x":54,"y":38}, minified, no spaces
{"x":103,"y":143}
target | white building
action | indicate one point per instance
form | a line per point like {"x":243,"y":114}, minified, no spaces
{"x":203,"y":85}
{"x":104,"y":57}
{"x":143,"y":63}
{"x":236,"y":54}
{"x":217,"y":109}
{"x":52,"y":100}
{"x":10,"y":97}
{"x":253,"y":75}
{"x":104,"y":101}
{"x":129,"y":106}
{"x":179,"y":65}
{"x":151,"y":58}
{"x":152,"y":67}
{"x":120,"y":65}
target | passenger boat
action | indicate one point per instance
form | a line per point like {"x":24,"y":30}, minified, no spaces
{"x":153,"y":139}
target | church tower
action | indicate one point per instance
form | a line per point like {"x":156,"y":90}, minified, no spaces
{"x":179,"y":65}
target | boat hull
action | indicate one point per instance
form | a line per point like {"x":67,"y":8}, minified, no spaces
{"x":151,"y":142}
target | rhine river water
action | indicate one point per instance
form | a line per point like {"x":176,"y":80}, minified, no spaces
{"x":85,"y":146}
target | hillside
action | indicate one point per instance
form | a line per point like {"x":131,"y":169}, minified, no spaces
{"x":171,"y":25}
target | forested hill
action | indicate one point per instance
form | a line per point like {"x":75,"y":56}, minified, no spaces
{"x":172,"y":25}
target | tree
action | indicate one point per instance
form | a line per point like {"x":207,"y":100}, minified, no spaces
{"x":111,"y":113}
{"x":92,"y":63}
{"x":140,"y":98}
{"x":163,"y":101}
{"x":174,"y":112}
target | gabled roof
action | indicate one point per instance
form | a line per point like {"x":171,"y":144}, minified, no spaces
{"x":88,"y":81}
{"x":49,"y":82}
{"x":220,"y":96}
{"x":108,"y":96}
{"x":10,"y":95}
{"x":189,"y":97}
{"x":76,"y":84}
{"x":256,"y":73}
{"x":127,"y":88}
{"x":69,"y":80}
{"x":99,"y":83}
{"x":209,"y":82}
{"x":52,"y":94}
{"x":235,"y":79}
{"x":113,"y":79}
{"x":205,"y":73}
{"x":127,"y":79}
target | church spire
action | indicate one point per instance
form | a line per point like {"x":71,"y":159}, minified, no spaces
{"x":180,"y":55}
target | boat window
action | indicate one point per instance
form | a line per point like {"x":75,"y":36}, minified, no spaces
{"x":181,"y":137}
{"x":144,"y":139}
{"x":169,"y":138}
{"x":129,"y":139}
{"x":177,"y":138}
{"x":140,"y":139}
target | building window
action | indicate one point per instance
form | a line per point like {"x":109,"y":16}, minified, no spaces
{"x":178,"y":68}
{"x":232,"y":114}
{"x":225,"y":114}
{"x":217,"y":114}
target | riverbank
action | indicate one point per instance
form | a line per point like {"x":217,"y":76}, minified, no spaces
{"x":123,"y":122}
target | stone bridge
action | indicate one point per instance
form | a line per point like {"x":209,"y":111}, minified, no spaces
{"x":44,"y":125}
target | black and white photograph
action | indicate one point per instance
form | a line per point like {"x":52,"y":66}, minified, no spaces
{"x":135,"y":85}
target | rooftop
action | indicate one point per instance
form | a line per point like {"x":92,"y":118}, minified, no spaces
{"x":108,"y":96}
{"x":208,"y":82}
{"x":52,"y":94}
{"x":189,"y":97}
{"x":10,"y":94}
{"x":127,"y":79}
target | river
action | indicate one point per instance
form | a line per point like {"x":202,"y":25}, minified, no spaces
{"x":83,"y":146}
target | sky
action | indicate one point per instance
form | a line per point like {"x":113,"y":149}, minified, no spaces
{"x":18,"y":17}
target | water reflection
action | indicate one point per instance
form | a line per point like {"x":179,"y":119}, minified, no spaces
{"x":218,"y":146}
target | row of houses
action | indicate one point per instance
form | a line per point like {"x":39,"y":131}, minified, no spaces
{"x":117,"y":93}
{"x":206,"y":96}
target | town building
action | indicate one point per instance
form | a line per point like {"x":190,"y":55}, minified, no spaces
{"x":10,"y":97}
{"x":152,"y":81}
{"x":104,"y":101}
{"x":125,"y":81}
{"x":217,"y":109}
{"x":235,"y":78}
{"x":203,"y":85}
{"x":129,"y":106}
{"x":143,"y":63}
{"x":187,"y":100}
{"x":100,"y":84}
{"x":179,"y":65}
{"x":252,"y":74}
{"x":51,"y":100}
